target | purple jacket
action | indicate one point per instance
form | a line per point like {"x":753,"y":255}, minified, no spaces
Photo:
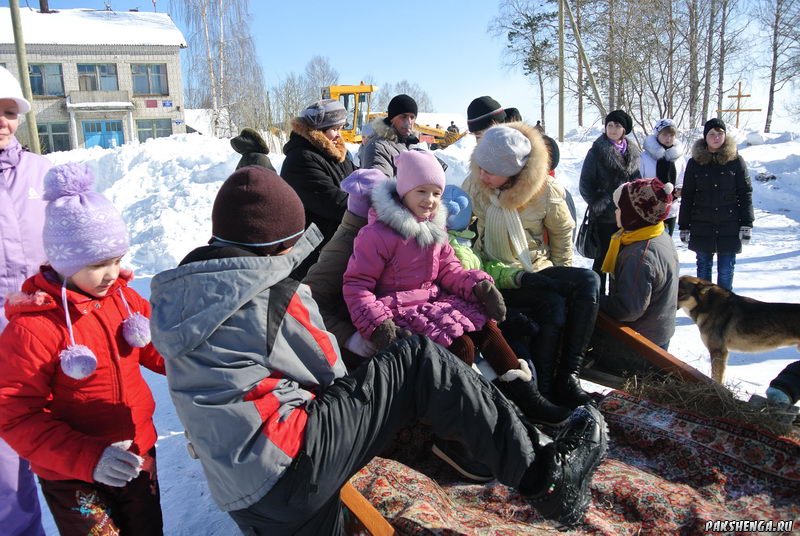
{"x":21,"y":218}
{"x":405,"y":270}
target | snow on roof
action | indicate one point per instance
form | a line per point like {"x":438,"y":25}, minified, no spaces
{"x":92,"y":27}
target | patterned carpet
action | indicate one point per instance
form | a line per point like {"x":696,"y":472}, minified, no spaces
{"x":666,"y":472}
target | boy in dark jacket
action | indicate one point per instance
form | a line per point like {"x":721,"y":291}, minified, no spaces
{"x":261,"y":388}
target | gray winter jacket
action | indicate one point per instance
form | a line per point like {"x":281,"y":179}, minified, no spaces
{"x":644,"y":289}
{"x":245,"y":350}
{"x":381,"y":149}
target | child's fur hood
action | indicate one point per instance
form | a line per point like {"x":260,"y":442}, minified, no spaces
{"x":337,"y":150}
{"x":528,"y":183}
{"x":389,"y":209}
{"x":726,"y":153}
{"x":658,"y":151}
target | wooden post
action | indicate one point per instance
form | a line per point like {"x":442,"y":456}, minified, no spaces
{"x":24,"y":80}
{"x":739,"y":96}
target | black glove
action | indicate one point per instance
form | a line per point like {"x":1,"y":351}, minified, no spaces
{"x":517,"y":325}
{"x":745,"y":233}
{"x":601,"y":206}
{"x":491,"y":299}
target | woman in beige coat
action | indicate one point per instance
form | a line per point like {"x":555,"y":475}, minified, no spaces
{"x":524,"y":222}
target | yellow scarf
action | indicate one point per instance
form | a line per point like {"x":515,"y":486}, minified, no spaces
{"x":623,"y":237}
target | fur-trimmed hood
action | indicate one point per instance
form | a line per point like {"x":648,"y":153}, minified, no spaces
{"x":657,"y":151}
{"x":528,"y":183}
{"x":336,"y":151}
{"x":726,"y":153}
{"x":390,"y":210}
{"x":387,"y":132}
{"x":609,"y":157}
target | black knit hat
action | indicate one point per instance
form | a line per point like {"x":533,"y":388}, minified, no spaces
{"x":552,"y":148}
{"x":255,"y":208}
{"x":512,"y":114}
{"x":619,"y":116}
{"x":401,"y":104}
{"x":483,"y":112}
{"x":713,"y":123}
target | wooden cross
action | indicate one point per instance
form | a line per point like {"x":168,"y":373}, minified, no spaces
{"x":739,"y":96}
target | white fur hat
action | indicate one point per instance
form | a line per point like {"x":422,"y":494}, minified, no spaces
{"x":502,"y":151}
{"x":10,"y":89}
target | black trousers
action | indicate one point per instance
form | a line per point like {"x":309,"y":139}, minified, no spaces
{"x":359,"y":415}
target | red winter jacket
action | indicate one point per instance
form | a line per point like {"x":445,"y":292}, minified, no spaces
{"x":60,"y":424}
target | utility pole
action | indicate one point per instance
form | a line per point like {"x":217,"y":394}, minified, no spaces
{"x":561,"y":70}
{"x":25,"y":82}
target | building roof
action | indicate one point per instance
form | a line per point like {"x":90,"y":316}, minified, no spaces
{"x":92,"y":27}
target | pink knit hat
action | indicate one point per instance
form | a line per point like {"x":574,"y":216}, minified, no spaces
{"x":415,"y":168}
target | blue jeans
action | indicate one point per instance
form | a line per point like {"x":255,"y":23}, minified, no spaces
{"x":725,"y":264}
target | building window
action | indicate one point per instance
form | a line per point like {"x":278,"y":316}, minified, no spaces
{"x":46,"y":79}
{"x":150,"y":79}
{"x":97,"y":77}
{"x":54,"y":137}
{"x":153,"y":128}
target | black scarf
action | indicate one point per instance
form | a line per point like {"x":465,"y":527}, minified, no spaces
{"x":665,"y":170}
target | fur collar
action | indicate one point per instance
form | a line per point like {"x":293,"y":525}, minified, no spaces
{"x":389,"y":209}
{"x":726,"y":153}
{"x":657,"y":151}
{"x":337,"y":151}
{"x":610,"y":158}
{"x":387,"y":132}
{"x":528,"y":183}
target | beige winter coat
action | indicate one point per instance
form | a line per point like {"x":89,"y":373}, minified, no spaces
{"x":539,"y":200}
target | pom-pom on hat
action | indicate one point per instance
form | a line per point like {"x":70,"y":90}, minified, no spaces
{"x":255,"y":208}
{"x":10,"y":89}
{"x":483,"y":112}
{"x":643,"y":202}
{"x":459,"y":207}
{"x":81,"y":227}
{"x":621,"y":117}
{"x":401,"y":104}
{"x":713,"y":123}
{"x":324,"y":114}
{"x":416,"y":168}
{"x":359,"y":185}
{"x":502,"y":151}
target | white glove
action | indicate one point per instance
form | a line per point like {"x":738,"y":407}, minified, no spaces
{"x":745,"y":233}
{"x":360,"y":346}
{"x":117,"y":465}
{"x":684,"y":235}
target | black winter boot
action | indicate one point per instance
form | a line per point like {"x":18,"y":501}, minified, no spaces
{"x":518,"y":386}
{"x":577,"y":334}
{"x":544,"y":351}
{"x":557,"y":483}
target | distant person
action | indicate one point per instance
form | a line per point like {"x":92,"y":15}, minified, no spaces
{"x":539,"y":126}
{"x":453,"y":127}
{"x":253,"y":148}
{"x":21,"y":254}
{"x":513,"y":115}
{"x":483,"y":113}
{"x":316,"y":163}
{"x":438,"y":126}
{"x":643,"y":262}
{"x":662,"y":157}
{"x":610,"y":162}
{"x":72,"y":397}
{"x":716,"y":214}
{"x":394,"y":134}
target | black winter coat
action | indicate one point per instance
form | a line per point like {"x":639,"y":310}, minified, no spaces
{"x":717,"y":199}
{"x":315,"y":167}
{"x":604,"y":169}
{"x":788,"y":381}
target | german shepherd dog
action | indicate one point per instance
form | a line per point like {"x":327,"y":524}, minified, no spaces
{"x":729,"y":321}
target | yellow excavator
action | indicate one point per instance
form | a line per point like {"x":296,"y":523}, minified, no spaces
{"x":356,"y":100}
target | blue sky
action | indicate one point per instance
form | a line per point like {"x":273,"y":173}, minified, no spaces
{"x":443,"y":46}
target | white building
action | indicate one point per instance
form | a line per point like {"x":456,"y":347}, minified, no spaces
{"x":99,"y":77}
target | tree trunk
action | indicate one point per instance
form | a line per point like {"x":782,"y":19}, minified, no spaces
{"x":612,"y":91}
{"x":580,"y":67}
{"x":212,"y":78}
{"x":670,"y":97}
{"x":722,"y":51}
{"x":694,"y":83}
{"x":540,"y":77}
{"x":773,"y":69}
{"x":709,"y":55}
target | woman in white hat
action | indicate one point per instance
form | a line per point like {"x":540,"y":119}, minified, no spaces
{"x":21,"y":223}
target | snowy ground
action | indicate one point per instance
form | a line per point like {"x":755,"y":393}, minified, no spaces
{"x":165,"y":189}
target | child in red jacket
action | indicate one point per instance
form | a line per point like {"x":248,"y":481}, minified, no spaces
{"x":72,"y":397}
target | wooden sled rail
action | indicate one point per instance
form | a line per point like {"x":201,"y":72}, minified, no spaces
{"x":372,"y":520}
{"x":653,"y":353}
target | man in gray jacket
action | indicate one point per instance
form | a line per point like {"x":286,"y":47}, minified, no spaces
{"x":393,"y":134}
{"x":261,"y":388}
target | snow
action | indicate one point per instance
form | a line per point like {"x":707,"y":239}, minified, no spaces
{"x":92,"y":27}
{"x":165,"y":189}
